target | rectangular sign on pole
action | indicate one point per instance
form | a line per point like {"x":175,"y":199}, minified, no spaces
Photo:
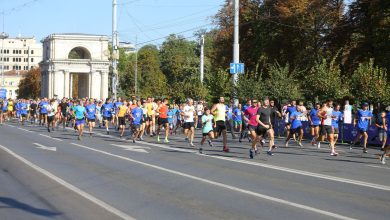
{"x":237,"y":68}
{"x":3,"y":93}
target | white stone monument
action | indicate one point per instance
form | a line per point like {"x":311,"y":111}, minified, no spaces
{"x":78,"y":61}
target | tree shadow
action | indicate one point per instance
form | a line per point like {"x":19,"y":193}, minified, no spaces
{"x":14,"y":204}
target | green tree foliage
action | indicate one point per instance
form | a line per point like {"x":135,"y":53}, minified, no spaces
{"x":30,"y":86}
{"x":283,"y":83}
{"x":325,"y":81}
{"x":370,"y":83}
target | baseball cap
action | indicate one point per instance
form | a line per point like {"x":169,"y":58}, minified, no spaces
{"x":365,"y":104}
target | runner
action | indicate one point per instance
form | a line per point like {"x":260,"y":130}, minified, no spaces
{"x":23,"y":110}
{"x":50,"y":109}
{"x":314,"y":122}
{"x":99,"y":116}
{"x":63,"y":110}
{"x":121,"y":116}
{"x":386,"y":149}
{"x":362,"y":120}
{"x":1,"y":111}
{"x":10,"y":109}
{"x":199,"y":113}
{"x":107,"y":110}
{"x":116,"y":107}
{"x":43,"y":112}
{"x":237,"y":118}
{"x":33,"y":112}
{"x":244,"y":130}
{"x":189,"y":125}
{"x":219,"y":112}
{"x":337,"y":116}
{"x":264,"y":127}
{"x":287,"y":113}
{"x":250,"y":117}
{"x":80,"y":112}
{"x":5,"y":109}
{"x":150,"y":116}
{"x":207,"y":130}
{"x":137,"y":116}
{"x":296,"y":126}
{"x":91,"y":115}
{"x":275,"y":114}
{"x":162,"y":110}
{"x":229,"y":118}
{"x":326,"y":114}
{"x":381,"y":124}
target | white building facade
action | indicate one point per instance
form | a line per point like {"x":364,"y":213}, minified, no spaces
{"x":75,"y":66}
{"x":21,"y":53}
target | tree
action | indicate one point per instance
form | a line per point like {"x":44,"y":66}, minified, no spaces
{"x":370,"y":83}
{"x":283,"y":83}
{"x":325,"y":81}
{"x":30,"y":86}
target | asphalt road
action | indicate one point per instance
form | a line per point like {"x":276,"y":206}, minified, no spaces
{"x":54,"y":176}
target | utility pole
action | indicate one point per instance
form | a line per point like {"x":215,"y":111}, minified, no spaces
{"x":236,"y":45}
{"x":201,"y":58}
{"x":136,"y":68}
{"x":115,"y":54}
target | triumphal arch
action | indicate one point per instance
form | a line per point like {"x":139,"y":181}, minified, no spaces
{"x":75,"y":66}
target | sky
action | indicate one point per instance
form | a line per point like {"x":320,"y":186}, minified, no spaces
{"x":141,"y":21}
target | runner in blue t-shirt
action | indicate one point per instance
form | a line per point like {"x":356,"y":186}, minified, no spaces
{"x":80,"y":112}
{"x":91,"y":115}
{"x":237,"y":118}
{"x":337,"y":116}
{"x":42,"y":106}
{"x":23,"y":110}
{"x":107,"y":112}
{"x":315,"y":122}
{"x":295,"y":125}
{"x":362,"y":120}
{"x":137,"y":119}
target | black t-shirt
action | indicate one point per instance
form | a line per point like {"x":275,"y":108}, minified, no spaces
{"x":63,"y":106}
{"x":33,"y":107}
{"x":265,"y":114}
{"x":274,"y":114}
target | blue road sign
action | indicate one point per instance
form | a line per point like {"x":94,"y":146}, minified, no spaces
{"x":237,"y":68}
{"x":3,"y":93}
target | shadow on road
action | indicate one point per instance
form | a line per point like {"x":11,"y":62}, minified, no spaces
{"x":14,"y":204}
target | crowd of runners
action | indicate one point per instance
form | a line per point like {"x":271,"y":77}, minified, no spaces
{"x":254,"y":120}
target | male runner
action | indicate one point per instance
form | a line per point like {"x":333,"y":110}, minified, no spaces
{"x":250,"y":116}
{"x":121,"y":116}
{"x":219,"y":112}
{"x":207,"y":130}
{"x":163,"y":119}
{"x":326,"y":114}
{"x":91,"y":115}
{"x":263,"y":119}
{"x":314,"y":121}
{"x":80,"y":113}
{"x":189,"y":124}
{"x":296,"y":126}
{"x":362,"y":120}
{"x":107,"y":110}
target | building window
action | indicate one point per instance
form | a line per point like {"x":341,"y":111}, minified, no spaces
{"x":32,"y":60}
{"x":25,"y":51}
{"x":32,"y":51}
{"x":31,"y":67}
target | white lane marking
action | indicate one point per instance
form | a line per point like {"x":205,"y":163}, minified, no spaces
{"x":388,"y":168}
{"x":70,"y":186}
{"x":138,"y":149}
{"x":262,"y":196}
{"x":305,"y":173}
{"x":43,"y":135}
{"x":284,"y":169}
{"x":25,"y":130}
{"x":167,"y":147}
{"x":10,"y":125}
{"x":43,"y":147}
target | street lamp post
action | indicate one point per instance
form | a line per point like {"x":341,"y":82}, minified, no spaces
{"x":3,"y":36}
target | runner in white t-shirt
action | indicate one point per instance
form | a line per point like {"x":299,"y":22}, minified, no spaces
{"x":189,"y":125}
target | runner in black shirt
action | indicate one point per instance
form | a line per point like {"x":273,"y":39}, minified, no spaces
{"x":33,"y":111}
{"x":265,"y":128}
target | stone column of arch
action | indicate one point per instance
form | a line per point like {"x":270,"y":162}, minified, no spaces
{"x":67,"y":83}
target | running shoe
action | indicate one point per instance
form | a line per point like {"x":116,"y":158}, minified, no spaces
{"x":192,"y":145}
{"x":286,"y":144}
{"x":211,"y":143}
{"x":269,"y":153}
{"x":251,"y":153}
{"x":300,"y":144}
{"x":319,"y":145}
{"x":166,"y":140}
{"x":79,"y":138}
{"x":186,"y":139}
{"x":383,"y":159}
{"x":158,"y":138}
{"x":201,"y":150}
{"x":365,"y":150}
{"x":226,"y":149}
{"x":274,"y":147}
{"x":334,"y":154}
{"x":108,"y":132}
{"x":141,"y":138}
